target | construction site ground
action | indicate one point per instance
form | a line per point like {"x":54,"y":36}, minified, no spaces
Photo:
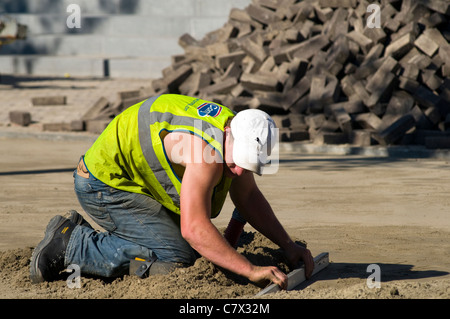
{"x":363,"y":210}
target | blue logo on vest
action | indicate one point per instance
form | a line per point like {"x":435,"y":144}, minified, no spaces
{"x":209,"y":109}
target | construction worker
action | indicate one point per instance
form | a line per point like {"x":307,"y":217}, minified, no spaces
{"x":154,"y":179}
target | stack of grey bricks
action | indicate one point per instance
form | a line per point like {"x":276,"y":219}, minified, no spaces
{"x":316,"y":66}
{"x":323,"y":73}
{"x":116,"y":38}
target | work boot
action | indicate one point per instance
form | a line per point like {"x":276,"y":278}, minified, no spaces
{"x":77,"y":218}
{"x":47,"y":260}
{"x":144,"y":268}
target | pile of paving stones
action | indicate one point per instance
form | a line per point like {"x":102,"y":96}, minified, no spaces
{"x":328,"y":71}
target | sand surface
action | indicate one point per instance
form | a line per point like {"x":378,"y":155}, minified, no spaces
{"x":362,"y":210}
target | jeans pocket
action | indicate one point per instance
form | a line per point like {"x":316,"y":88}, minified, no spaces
{"x":82,"y":185}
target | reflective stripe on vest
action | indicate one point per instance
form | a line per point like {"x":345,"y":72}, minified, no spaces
{"x":152,"y":123}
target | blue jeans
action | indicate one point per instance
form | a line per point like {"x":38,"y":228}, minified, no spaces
{"x":136,"y":226}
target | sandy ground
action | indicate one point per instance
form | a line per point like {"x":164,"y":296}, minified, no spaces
{"x":362,"y":210}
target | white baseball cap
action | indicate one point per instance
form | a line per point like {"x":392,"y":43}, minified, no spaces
{"x":254,"y":134}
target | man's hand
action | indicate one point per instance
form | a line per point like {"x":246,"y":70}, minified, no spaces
{"x":261,"y":276}
{"x":296,"y":253}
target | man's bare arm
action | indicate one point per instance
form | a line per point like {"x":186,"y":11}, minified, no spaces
{"x":199,"y":180}
{"x":254,"y":207}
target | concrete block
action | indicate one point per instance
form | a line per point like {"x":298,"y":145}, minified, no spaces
{"x":330,"y":138}
{"x":315,"y":121}
{"x":408,"y":84}
{"x":281,"y":121}
{"x":261,"y":14}
{"x":426,"y":45}
{"x":222,"y":87}
{"x":410,"y":71}
{"x":441,"y":6}
{"x":399,"y":47}
{"x":364,"y":42}
{"x":436,"y":36}
{"x":96,"y":109}
{"x":296,"y":69}
{"x":296,"y":92}
{"x":77,"y":125}
{"x":96,"y":126}
{"x":256,"y":51}
{"x":49,"y":100}
{"x":303,"y":50}
{"x":56,"y":127}
{"x":296,"y":120}
{"x":433,"y":115}
{"x":177,"y":77}
{"x":362,"y":93}
{"x":311,"y":46}
{"x":264,"y":82}
{"x":431,"y":80}
{"x":368,"y":121}
{"x":21,"y":118}
{"x":381,"y":89}
{"x":126,"y":103}
{"x":360,"y":138}
{"x":342,"y":118}
{"x":337,"y":25}
{"x":338,"y":3}
{"x":124,"y":95}
{"x":197,"y":82}
{"x":324,"y":90}
{"x":425,"y":97}
{"x":224,"y":60}
{"x":267,"y":105}
{"x":351,"y":107}
{"x":399,"y":104}
{"x":294,"y":135}
{"x":323,"y":13}
{"x":412,"y":27}
{"x":422,"y":122}
{"x":381,"y":81}
{"x":422,"y":61}
{"x":377,"y":35}
{"x":396,"y":130}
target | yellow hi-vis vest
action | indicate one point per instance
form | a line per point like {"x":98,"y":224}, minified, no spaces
{"x":129,"y":155}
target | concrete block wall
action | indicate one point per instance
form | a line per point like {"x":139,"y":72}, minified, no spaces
{"x":119,"y":38}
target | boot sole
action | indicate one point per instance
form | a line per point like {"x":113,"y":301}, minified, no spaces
{"x":53,"y":225}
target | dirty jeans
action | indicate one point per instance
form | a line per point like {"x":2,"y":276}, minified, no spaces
{"x":136,"y":226}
